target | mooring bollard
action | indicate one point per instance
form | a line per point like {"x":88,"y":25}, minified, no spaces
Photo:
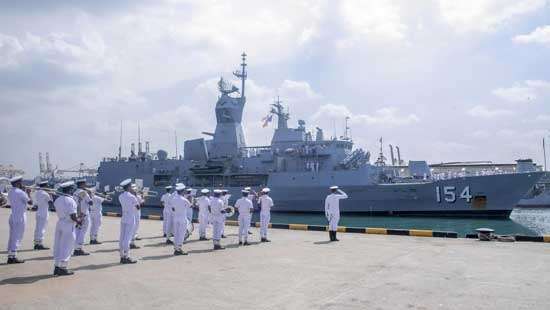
{"x":485,"y":234}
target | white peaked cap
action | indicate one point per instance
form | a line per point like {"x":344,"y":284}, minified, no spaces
{"x":334,"y":187}
{"x":180,"y":187}
{"x":67,"y":184}
{"x":244,"y":191}
{"x":217,"y":191}
{"x":126,"y":182}
{"x":80,"y":181}
{"x":248,"y":188}
{"x":266,"y":190}
{"x":205,"y":191}
{"x":16,"y":179}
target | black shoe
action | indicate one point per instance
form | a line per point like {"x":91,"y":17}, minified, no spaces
{"x":168,"y":241}
{"x":80,"y":252}
{"x":223,"y":236}
{"x":164,"y":235}
{"x":249,"y":232}
{"x":246,"y":243}
{"x":331,"y":235}
{"x":203,"y":238}
{"x":240,"y":243}
{"x":218,"y":247}
{"x":265,"y":240}
{"x":15,"y":260}
{"x":56,"y":271}
{"x":179,"y":252}
{"x":133,"y":246}
{"x":63,"y":272}
{"x":94,"y":241}
{"x":127,"y":260}
{"x":334,"y":234}
{"x":40,"y":247}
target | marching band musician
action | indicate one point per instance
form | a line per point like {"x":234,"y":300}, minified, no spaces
{"x":137,"y":215}
{"x":204,"y":202}
{"x":84,"y":202}
{"x":44,"y":202}
{"x":130,"y":204}
{"x":225,"y":198}
{"x":166,"y":204}
{"x":332,"y":210}
{"x":64,"y":242}
{"x":217,"y":210}
{"x":244,"y":205}
{"x":18,"y":200}
{"x":95,"y":217}
{"x":265,"y":213}
{"x":253,"y":196}
{"x":192,"y":203}
{"x":180,"y":206}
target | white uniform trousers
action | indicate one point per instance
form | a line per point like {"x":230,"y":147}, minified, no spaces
{"x":265,"y":217}
{"x":180,"y":230}
{"x":126,"y":234}
{"x":17,"y":229}
{"x":81,"y":232}
{"x":203,"y":223}
{"x":244,"y":226}
{"x":136,"y":223}
{"x":63,"y":245}
{"x":223,"y":226}
{"x":167,"y":222}
{"x":333,"y":222}
{"x":95,"y":218}
{"x":40,"y":228}
{"x":217,"y":225}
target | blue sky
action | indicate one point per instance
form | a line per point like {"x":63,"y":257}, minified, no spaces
{"x":444,"y":80}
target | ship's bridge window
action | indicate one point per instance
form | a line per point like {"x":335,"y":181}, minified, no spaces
{"x":161,"y":180}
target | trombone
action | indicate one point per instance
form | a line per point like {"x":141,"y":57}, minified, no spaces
{"x":51,"y":191}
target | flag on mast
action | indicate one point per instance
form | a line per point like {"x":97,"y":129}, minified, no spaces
{"x":266,"y":120}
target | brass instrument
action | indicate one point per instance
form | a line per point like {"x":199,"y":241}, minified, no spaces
{"x":51,"y":191}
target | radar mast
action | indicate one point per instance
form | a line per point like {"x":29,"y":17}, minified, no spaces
{"x":242,"y":75}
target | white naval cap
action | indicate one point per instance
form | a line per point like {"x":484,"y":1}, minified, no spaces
{"x":244,"y":191}
{"x":66,"y":184}
{"x":126,"y":182}
{"x":79,"y":181}
{"x":248,"y":188}
{"x":43,"y":183}
{"x":16,"y":179}
{"x":217,"y":191}
{"x":180,"y":187}
{"x":334,"y":187}
{"x":168,"y":187}
{"x":189,"y":190}
{"x":205,"y":191}
{"x":266,"y":190}
{"x":224,"y":191}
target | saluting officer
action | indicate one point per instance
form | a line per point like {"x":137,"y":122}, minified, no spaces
{"x":217,"y":209}
{"x":265,"y":213}
{"x":84,"y":202}
{"x":204,"y":202}
{"x":44,"y":202}
{"x":130,"y":204}
{"x":66,"y":210}
{"x":96,"y":215}
{"x":244,"y":205}
{"x":180,"y":206}
{"x":18,"y":200}
{"x":332,"y":210}
{"x":165,"y":202}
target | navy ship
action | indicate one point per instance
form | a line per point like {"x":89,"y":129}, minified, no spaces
{"x":299,"y":166}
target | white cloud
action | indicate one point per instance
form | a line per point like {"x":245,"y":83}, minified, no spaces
{"x":543,"y":118}
{"x":386,"y":117}
{"x":9,"y":50}
{"x":485,"y":15}
{"x":371,"y":20}
{"x":541,"y":35}
{"x":527,"y":91}
{"x":485,"y":112}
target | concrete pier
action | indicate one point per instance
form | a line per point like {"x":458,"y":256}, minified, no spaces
{"x":298,"y":270}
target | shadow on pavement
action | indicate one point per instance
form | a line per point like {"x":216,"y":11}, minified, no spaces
{"x":95,"y":267}
{"x":322,"y":242}
{"x":157,"y":257}
{"x":26,"y":280}
{"x":106,"y":251}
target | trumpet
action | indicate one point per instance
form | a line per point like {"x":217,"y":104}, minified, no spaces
{"x":51,"y":191}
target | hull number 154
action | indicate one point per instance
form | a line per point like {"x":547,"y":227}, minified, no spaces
{"x":449,"y":194}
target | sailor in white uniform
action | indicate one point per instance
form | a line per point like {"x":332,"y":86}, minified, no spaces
{"x":204,"y":215}
{"x":332,"y":210}
{"x":96,"y":214}
{"x":137,"y":215}
{"x":18,"y":201}
{"x":84,"y":202}
{"x":44,"y":201}
{"x":190,"y":196}
{"x":244,"y":205}
{"x":217,"y":211}
{"x":225,"y":198}
{"x":180,"y":206}
{"x":265,"y":213}
{"x":63,"y":246}
{"x":165,"y":202}
{"x":129,"y":204}
{"x":253,"y":196}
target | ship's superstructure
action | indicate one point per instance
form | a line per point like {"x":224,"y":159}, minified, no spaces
{"x":299,"y":166}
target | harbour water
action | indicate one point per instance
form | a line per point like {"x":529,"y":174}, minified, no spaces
{"x":522,"y":221}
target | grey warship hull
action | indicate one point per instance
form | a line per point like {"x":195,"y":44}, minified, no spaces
{"x":299,"y":168}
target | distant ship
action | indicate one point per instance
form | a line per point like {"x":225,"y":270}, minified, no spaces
{"x":299,"y":167}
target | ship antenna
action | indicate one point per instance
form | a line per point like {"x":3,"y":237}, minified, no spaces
{"x":544,"y":151}
{"x":139,"y":140}
{"x":176,"y":140}
{"x":242,"y":75}
{"x":120,"y":143}
{"x":346,"y":133}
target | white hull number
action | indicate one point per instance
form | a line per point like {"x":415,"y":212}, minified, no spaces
{"x":448,"y":193}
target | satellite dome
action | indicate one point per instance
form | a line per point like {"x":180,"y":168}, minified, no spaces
{"x":162,"y":154}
